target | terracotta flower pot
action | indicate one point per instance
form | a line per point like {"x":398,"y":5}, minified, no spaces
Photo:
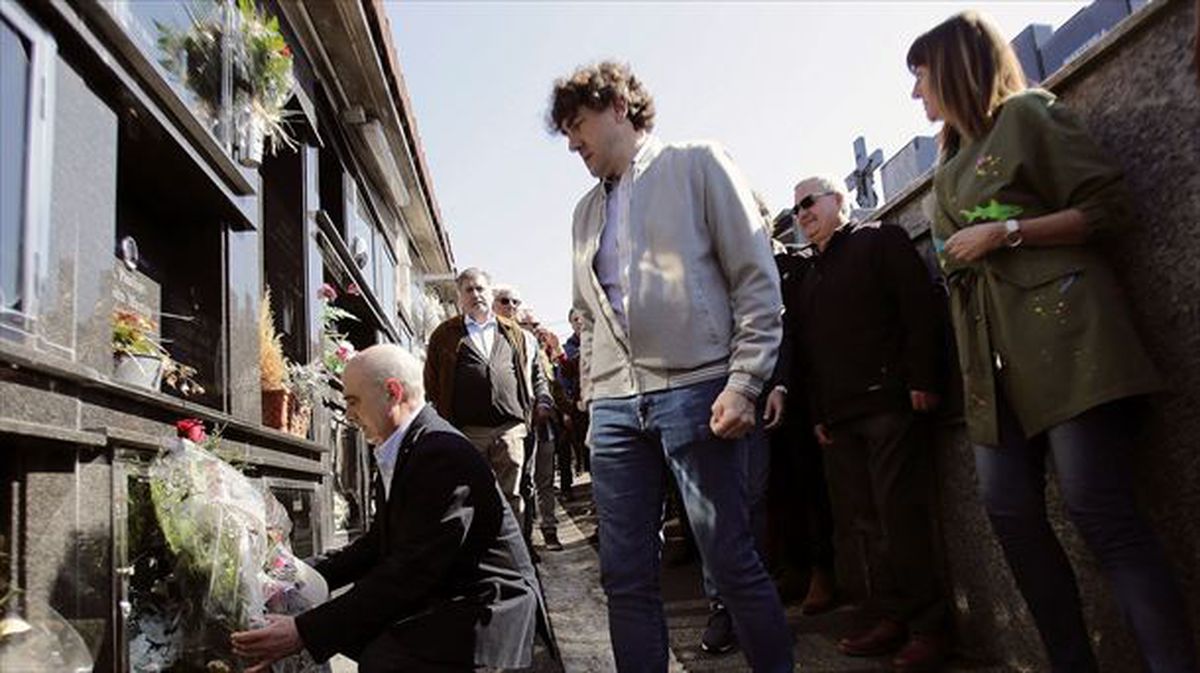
{"x":143,"y":371}
{"x":275,"y":409}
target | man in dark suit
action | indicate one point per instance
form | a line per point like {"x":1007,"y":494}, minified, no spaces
{"x":442,"y":580}
{"x":869,"y":339}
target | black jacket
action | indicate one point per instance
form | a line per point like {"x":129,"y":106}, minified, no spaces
{"x":443,"y":565}
{"x":867,"y":324}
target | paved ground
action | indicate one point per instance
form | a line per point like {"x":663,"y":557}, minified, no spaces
{"x":571,"y":581}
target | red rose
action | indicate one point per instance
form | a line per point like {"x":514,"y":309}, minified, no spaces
{"x":327,"y":293}
{"x":286,"y":51}
{"x":191,"y":429}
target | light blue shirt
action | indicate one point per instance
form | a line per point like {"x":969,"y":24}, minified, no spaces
{"x":482,"y":334}
{"x":387,"y":452}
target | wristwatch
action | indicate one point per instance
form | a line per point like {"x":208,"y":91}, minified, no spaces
{"x":1012,"y":233}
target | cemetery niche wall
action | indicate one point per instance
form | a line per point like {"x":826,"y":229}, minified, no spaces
{"x":173,"y":177}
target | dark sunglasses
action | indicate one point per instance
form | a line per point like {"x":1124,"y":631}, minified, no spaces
{"x":509,"y":301}
{"x":807,"y":202}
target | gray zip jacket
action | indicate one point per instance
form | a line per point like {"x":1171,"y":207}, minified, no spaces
{"x":703,"y":298}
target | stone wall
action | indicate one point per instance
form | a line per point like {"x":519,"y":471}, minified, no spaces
{"x":1137,"y":92}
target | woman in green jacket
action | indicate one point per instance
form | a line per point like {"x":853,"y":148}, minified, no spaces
{"x":1048,"y":353}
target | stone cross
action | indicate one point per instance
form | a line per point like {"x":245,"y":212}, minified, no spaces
{"x":862,"y":180}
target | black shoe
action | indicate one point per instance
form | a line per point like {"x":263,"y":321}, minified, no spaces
{"x":718,"y":637}
{"x":550,"y":540}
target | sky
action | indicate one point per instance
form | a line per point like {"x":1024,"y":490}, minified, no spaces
{"x":785,"y":87}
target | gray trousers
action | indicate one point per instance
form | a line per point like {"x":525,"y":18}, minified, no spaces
{"x":543,"y":480}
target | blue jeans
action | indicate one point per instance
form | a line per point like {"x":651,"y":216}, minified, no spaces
{"x":1090,"y":456}
{"x":756,"y":467}
{"x":634,"y":439}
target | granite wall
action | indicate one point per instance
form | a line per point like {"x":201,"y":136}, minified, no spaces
{"x":1138,"y":94}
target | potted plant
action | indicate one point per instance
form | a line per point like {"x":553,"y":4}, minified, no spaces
{"x":265,"y":66}
{"x":272,"y":368}
{"x":261,"y":66}
{"x":137,"y":357}
{"x":141,"y":361}
{"x":306,"y":385}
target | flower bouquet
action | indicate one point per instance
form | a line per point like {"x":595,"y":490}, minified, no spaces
{"x":228,"y":538}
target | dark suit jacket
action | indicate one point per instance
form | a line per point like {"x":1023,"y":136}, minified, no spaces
{"x":868,"y":325}
{"x":443,"y":572}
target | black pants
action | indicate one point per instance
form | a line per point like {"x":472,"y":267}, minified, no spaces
{"x":394,"y":653}
{"x":880,"y":472}
{"x":563,"y":454}
{"x":579,"y":430}
{"x":799,"y":515}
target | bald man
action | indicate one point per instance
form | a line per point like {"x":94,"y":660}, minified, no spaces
{"x":442,"y":580}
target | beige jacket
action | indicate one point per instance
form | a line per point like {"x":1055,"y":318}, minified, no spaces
{"x":703,"y":298}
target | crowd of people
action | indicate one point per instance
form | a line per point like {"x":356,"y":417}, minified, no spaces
{"x":784,"y":393}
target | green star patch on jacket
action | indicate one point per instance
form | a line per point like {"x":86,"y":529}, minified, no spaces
{"x":994,"y":211}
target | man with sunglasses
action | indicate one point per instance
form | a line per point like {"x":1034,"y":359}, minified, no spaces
{"x":537,"y":483}
{"x":870,"y":349}
{"x":506,"y":301}
{"x":481,"y":375}
{"x":680,"y":309}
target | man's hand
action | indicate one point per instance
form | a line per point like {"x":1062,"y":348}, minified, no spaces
{"x":976,"y":241}
{"x":278,"y":639}
{"x":776,"y":402}
{"x":542,"y":414}
{"x":581,"y":405}
{"x":923,"y":400}
{"x":732,"y":415}
{"x":823,"y":436}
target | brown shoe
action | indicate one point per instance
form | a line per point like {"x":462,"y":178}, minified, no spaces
{"x":884,"y":638}
{"x":820,"y":596}
{"x":922,"y":654}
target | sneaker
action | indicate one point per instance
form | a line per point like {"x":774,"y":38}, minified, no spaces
{"x":550,"y":540}
{"x":718,"y":637}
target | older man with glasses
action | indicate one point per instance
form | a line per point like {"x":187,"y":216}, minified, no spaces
{"x":870,"y":346}
{"x":506,"y":301}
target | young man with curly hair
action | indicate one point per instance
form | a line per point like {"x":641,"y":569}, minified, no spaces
{"x":680,"y":305}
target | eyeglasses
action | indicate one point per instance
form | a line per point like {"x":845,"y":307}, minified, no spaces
{"x":509,"y":301}
{"x":807,"y":202}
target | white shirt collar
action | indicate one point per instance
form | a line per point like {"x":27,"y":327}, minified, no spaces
{"x":387,"y":452}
